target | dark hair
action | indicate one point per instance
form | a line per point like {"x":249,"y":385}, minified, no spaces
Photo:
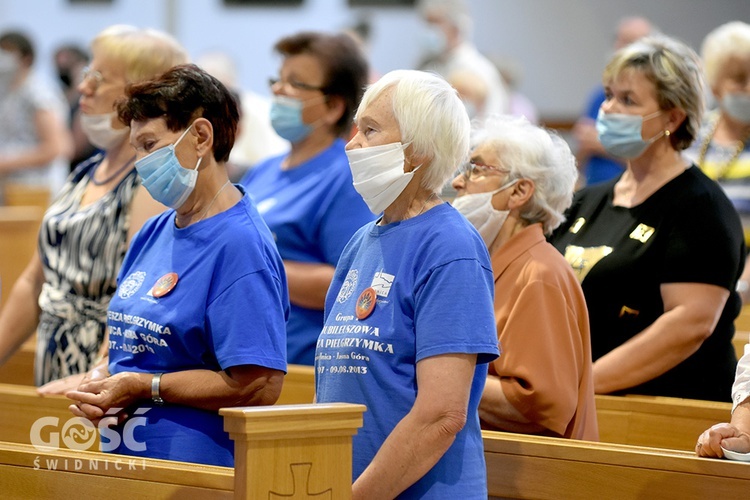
{"x":15,"y":40}
{"x":343,"y":63}
{"x":181,"y":95}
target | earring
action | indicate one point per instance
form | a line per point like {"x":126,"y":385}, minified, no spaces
{"x":667,"y":133}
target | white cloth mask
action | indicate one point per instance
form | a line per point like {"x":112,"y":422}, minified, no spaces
{"x":378,"y":173}
{"x":99,"y":130}
{"x":478,"y":209}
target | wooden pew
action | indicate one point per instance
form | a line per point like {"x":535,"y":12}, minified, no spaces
{"x":292,"y":451}
{"x":742,"y":322}
{"x":19,"y":228}
{"x":21,"y":195}
{"x":655,"y":421}
{"x":21,"y":406}
{"x":19,"y":369}
{"x":739,"y":340}
{"x":520,"y":466}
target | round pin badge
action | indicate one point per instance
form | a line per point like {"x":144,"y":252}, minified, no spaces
{"x":365,"y":303}
{"x":164,"y":285}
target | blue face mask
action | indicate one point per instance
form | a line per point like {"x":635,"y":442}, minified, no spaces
{"x":621,"y":134}
{"x":286,"y":119}
{"x":737,"y":105}
{"x":164,"y":178}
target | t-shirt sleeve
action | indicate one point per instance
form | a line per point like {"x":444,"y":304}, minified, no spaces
{"x":246,"y":323}
{"x":543,"y":356}
{"x":454,"y":312}
{"x":703,"y":246}
{"x":343,"y":216}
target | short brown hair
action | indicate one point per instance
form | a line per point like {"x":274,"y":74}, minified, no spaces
{"x":181,"y":95}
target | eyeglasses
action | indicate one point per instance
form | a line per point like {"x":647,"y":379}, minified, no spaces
{"x":95,"y":76}
{"x":296,"y":85}
{"x":473,"y":170}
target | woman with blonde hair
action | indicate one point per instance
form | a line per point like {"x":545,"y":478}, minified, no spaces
{"x":658,"y":250}
{"x":64,"y":292}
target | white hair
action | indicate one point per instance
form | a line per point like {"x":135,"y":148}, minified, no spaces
{"x":430,"y":117}
{"x":534,"y":153}
{"x":722,"y":44}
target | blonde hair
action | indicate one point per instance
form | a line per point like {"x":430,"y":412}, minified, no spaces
{"x":145,"y":53}
{"x":675,"y":70}
{"x":722,"y":44}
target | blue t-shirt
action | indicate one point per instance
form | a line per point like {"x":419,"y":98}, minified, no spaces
{"x":312,"y":211}
{"x":228,"y":308}
{"x":434,"y":286}
{"x":599,"y":168}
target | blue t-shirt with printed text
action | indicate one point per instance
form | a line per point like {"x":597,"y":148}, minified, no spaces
{"x":228,"y":308}
{"x":434,"y":286}
{"x":312,"y":211}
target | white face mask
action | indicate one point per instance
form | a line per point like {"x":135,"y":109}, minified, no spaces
{"x":99,"y":130}
{"x":478,"y":209}
{"x":378,"y":174}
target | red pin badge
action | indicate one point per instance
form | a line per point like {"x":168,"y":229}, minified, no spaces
{"x":164,"y":285}
{"x":366,"y":303}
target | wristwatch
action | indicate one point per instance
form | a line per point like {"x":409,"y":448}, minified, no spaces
{"x":155,"y":381}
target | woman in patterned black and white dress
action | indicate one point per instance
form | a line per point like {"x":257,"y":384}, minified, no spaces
{"x":64,"y":292}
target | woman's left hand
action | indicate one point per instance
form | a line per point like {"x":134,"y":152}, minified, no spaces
{"x":97,"y":398}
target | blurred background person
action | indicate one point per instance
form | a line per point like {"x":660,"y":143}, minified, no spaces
{"x":34,"y":139}
{"x":518,"y":103}
{"x":659,"y":250}
{"x":595,"y":164}
{"x":722,"y":149}
{"x":256,"y":138}
{"x":398,"y":335}
{"x":64,"y":292}
{"x":70,"y":61}
{"x":306,"y":196}
{"x":447,"y":47}
{"x":206,"y":270}
{"x":519,"y":180}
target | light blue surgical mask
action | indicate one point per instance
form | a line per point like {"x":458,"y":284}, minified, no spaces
{"x":621,"y":135}
{"x":737,"y":105}
{"x":286,"y":118}
{"x":164,"y":178}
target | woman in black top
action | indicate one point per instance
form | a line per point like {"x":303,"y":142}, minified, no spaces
{"x":658,"y":250}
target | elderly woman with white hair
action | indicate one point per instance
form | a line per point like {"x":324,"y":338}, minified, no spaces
{"x":658,"y":250}
{"x":722,"y":149}
{"x":409,"y":325}
{"x":518,"y":182}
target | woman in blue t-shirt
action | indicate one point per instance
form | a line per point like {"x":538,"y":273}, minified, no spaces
{"x":197,"y":322}
{"x":306,"y":195}
{"x":409,"y":322}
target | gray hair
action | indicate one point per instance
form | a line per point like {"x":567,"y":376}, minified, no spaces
{"x":675,"y":70}
{"x":534,"y":153}
{"x":430,"y":117}
{"x":722,"y":44}
{"x":455,"y":12}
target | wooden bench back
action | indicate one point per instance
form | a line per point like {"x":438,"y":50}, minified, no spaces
{"x":541,"y":468}
{"x":19,"y":229}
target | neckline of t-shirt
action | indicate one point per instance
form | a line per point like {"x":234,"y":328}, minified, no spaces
{"x":393,"y":226}
{"x":315,"y":163}
{"x":186,"y":232}
{"x":611,"y":192}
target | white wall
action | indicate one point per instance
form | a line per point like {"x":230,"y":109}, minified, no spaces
{"x":561,"y":45}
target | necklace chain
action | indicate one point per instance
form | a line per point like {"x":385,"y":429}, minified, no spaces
{"x":205,"y":212}
{"x":433,"y":195}
{"x":740,"y":145}
{"x":111,"y":177}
